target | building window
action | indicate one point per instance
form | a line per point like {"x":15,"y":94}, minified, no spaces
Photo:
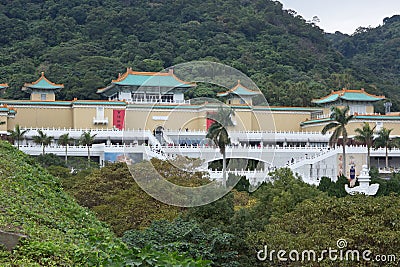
{"x":167,"y":98}
{"x":100,"y":119}
{"x":138,"y":97}
{"x":100,"y":113}
{"x":43,"y":97}
{"x":358,"y":109}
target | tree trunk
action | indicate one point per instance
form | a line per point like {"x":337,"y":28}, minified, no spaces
{"x":344,"y":159}
{"x":387,"y":158}
{"x":43,"y":149}
{"x":88,"y":154}
{"x":224,"y":181}
{"x":369,"y":157}
{"x":66,"y":154}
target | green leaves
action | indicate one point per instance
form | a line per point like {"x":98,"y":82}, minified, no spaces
{"x":316,"y":224}
{"x":61,"y":233}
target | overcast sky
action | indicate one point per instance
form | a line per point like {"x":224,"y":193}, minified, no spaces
{"x":344,"y":15}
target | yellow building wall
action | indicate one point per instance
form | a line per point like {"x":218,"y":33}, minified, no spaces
{"x":37,"y":96}
{"x":244,"y":120}
{"x":173,"y":119}
{"x":3,"y":127}
{"x":278,"y":120}
{"x":370,"y":109}
{"x":83,"y":117}
{"x":353,"y":125}
{"x":38,"y":117}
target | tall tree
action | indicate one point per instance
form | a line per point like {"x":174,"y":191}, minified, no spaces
{"x":365,"y":135}
{"x":384,"y":140}
{"x":42,"y":139}
{"x":339,"y":121}
{"x":87,"y":139}
{"x":17,"y":134}
{"x":218,"y":133}
{"x":65,"y":140}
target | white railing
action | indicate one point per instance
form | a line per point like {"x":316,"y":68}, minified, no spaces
{"x":168,"y":131}
{"x":147,"y":101}
{"x":199,"y":131}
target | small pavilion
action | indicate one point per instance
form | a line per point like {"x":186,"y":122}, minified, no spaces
{"x":239,"y":95}
{"x":42,"y":89}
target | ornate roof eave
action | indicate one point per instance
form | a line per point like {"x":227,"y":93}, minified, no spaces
{"x":3,"y":86}
{"x":335,"y":95}
{"x":30,"y":86}
{"x":170,"y":72}
{"x":129,"y":71}
{"x":236,"y":87}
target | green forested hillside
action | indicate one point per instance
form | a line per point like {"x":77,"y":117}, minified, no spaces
{"x":59,"y":231}
{"x":375,"y":51}
{"x":84,"y":44}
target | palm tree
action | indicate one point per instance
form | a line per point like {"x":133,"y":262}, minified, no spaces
{"x":339,"y":121}
{"x":220,"y":137}
{"x":87,"y":140}
{"x":65,"y":140}
{"x":42,"y":139}
{"x":366,"y":136}
{"x":17,"y":134}
{"x":384,"y":140}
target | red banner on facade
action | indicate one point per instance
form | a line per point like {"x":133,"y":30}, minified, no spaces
{"x":209,"y":123}
{"x":118,"y":118}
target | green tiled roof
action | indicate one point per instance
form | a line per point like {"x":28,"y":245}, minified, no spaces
{"x":88,"y":102}
{"x":42,"y":83}
{"x":377,"y":117}
{"x":305,"y":109}
{"x":349,"y":95}
{"x":315,"y":121}
{"x":152,"y":81}
{"x":239,"y":90}
{"x":148,"y":79}
{"x":328,"y":99}
{"x":28,"y":102}
{"x":62,"y":103}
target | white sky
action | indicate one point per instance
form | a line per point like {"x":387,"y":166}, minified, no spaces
{"x":344,"y":15}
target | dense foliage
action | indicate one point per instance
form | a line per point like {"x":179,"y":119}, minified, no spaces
{"x":84,"y":44}
{"x":60,"y":232}
{"x":225,"y":227}
{"x":117,"y":199}
{"x":285,"y":214}
{"x":186,"y":237}
{"x":375,"y":53}
{"x":361,"y":222}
